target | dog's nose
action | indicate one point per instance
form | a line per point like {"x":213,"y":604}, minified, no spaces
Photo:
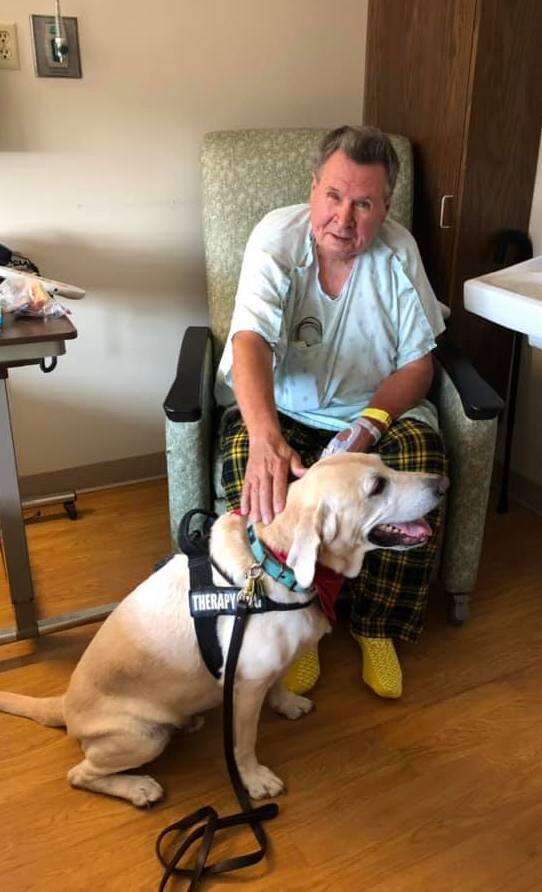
{"x":441,"y":485}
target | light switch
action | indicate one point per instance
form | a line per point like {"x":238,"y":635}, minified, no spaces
{"x":9,"y":51}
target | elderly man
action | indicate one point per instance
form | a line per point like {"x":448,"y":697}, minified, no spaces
{"x":331,"y":339}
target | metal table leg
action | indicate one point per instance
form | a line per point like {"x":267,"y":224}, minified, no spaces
{"x":12,"y":526}
{"x":502,"y":507}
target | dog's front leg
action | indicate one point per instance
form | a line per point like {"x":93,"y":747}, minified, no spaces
{"x":259,"y":780}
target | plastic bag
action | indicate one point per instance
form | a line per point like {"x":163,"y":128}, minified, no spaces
{"x":343,"y":440}
{"x":26,"y":296}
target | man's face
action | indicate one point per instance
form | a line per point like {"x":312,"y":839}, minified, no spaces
{"x":348,"y":204}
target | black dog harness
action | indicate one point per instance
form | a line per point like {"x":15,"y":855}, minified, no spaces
{"x":207,"y":603}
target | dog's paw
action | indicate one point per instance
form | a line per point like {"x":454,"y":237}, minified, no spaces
{"x":293,"y":706}
{"x":146,"y":791}
{"x":261,"y":782}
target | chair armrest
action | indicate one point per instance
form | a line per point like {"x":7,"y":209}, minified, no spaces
{"x":480,"y":402}
{"x":184,"y":401}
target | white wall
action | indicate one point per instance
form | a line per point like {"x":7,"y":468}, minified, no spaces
{"x":100,"y":187}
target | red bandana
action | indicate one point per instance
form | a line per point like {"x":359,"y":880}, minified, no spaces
{"x":327,"y":582}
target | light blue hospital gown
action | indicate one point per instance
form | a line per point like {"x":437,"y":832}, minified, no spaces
{"x":331,"y":354}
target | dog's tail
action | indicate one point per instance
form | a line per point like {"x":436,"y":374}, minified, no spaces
{"x":45,"y":710}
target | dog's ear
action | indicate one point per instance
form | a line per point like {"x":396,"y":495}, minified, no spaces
{"x":329,"y":524}
{"x":304,"y":550}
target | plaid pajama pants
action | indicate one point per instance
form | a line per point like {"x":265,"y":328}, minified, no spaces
{"x":389,"y":597}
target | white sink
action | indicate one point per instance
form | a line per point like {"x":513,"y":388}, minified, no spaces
{"x":511,"y":297}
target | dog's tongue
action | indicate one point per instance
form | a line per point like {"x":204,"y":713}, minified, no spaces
{"x":416,"y":528}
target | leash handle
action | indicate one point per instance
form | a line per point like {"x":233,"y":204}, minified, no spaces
{"x":195,"y":542}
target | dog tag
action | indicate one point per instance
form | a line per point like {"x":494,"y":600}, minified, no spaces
{"x":248,"y":592}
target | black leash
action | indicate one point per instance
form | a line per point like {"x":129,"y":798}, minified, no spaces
{"x":204,"y":823}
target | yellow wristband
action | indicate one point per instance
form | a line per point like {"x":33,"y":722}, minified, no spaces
{"x":378,"y":415}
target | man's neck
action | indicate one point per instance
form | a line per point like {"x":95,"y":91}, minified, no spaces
{"x":333,"y":273}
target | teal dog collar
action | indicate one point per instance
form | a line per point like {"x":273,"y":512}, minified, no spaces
{"x":272,"y":565}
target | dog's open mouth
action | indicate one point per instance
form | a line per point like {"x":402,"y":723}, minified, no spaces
{"x":386,"y":535}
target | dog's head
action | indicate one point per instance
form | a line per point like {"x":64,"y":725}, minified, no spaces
{"x":350,"y":503}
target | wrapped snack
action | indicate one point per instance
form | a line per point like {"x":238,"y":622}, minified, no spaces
{"x":38,"y":296}
{"x":26,"y":296}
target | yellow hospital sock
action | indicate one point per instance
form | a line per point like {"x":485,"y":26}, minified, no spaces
{"x":304,"y":673}
{"x":381,"y":668}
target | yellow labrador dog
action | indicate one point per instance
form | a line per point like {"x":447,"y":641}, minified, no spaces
{"x":142,"y":676}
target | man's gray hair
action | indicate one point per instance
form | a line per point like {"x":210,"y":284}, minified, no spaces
{"x":364,"y":145}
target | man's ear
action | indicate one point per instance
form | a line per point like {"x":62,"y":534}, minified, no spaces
{"x":303,"y":553}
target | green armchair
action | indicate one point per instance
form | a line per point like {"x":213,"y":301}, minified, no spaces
{"x":247,"y":173}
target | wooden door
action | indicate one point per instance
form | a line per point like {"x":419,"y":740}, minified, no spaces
{"x":417,"y":74}
{"x":499,"y":167}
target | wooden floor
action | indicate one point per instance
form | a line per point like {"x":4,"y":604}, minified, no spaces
{"x":441,"y":790}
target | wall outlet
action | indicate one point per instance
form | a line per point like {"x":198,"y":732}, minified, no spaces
{"x":9,"y":51}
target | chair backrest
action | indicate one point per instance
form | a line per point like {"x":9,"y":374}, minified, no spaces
{"x":246,"y":174}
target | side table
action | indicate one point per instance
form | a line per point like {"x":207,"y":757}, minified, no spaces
{"x":27,"y":341}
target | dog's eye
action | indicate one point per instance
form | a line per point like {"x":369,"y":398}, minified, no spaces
{"x":379,"y":486}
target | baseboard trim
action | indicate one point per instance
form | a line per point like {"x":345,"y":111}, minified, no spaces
{"x":101,"y":475}
{"x":526,"y":492}
{"x":520,"y":489}
{"x":122,"y":471}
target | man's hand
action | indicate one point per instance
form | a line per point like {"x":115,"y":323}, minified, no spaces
{"x":270,"y":460}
